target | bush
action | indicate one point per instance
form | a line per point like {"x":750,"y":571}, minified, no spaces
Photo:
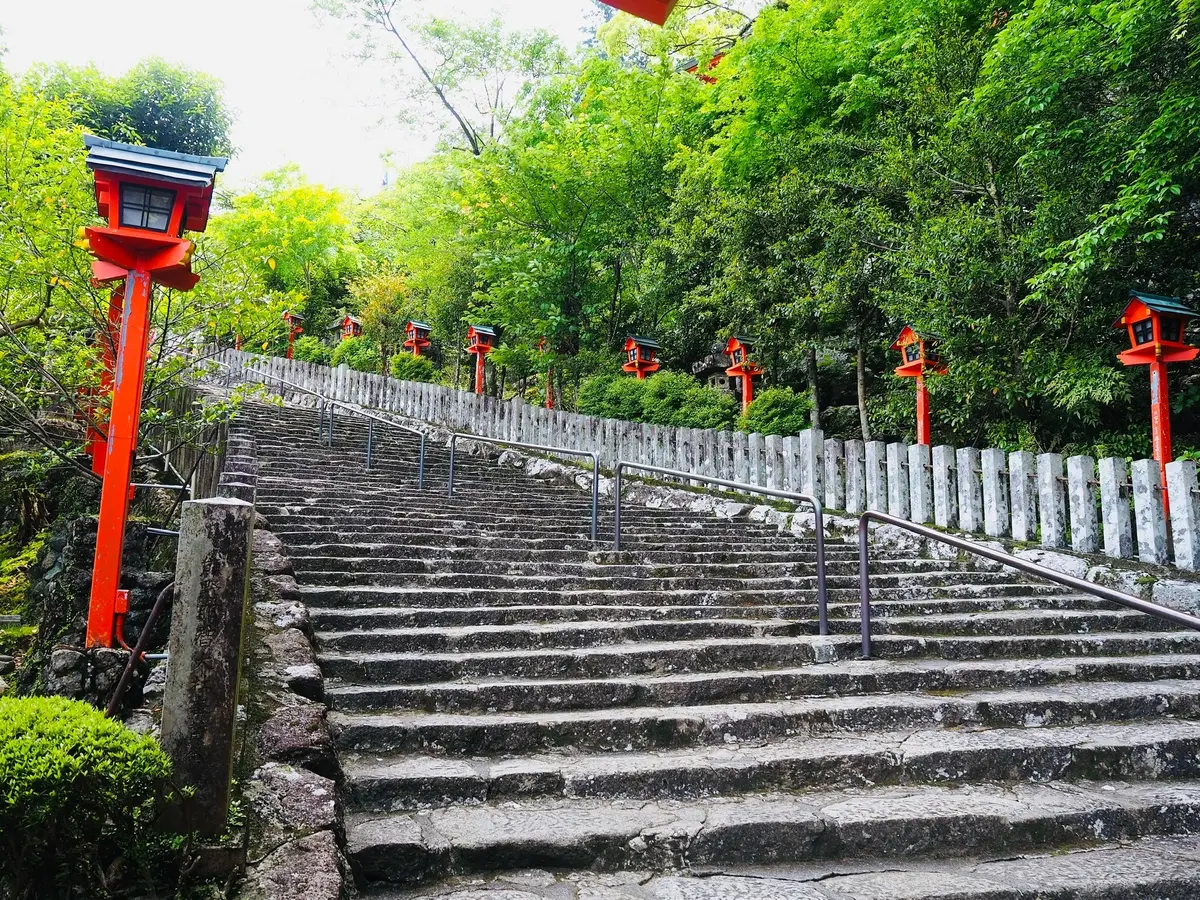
{"x":78,"y":792}
{"x":360,"y":354}
{"x":407,"y":367}
{"x":666,"y":398}
{"x":679,"y":400}
{"x":777,"y":410}
{"x":309,"y":349}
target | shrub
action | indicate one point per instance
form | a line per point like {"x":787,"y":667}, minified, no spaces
{"x":675,"y":399}
{"x":777,"y":410}
{"x":309,"y":349}
{"x":612,"y":397}
{"x":358,"y":353}
{"x":78,"y":791}
{"x":407,"y":367}
{"x":667,"y":398}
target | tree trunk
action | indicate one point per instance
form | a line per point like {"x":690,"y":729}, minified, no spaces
{"x":861,"y":367}
{"x":810,"y":372}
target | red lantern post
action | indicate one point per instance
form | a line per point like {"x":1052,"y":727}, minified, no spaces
{"x":549,"y":378}
{"x":481,"y":341}
{"x":642,"y":356}
{"x":655,"y":11}
{"x":1156,"y":328}
{"x":149,"y":198}
{"x":418,"y":337}
{"x":919,"y":357}
{"x":295,"y":324}
{"x":739,"y":350}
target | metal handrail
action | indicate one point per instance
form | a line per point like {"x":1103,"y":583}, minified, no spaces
{"x":818,"y":521}
{"x":331,"y":404}
{"x":587,"y":454}
{"x":1098,"y":590}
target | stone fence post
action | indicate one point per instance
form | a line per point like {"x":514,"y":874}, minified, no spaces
{"x":1185,"y":513}
{"x":212,"y":578}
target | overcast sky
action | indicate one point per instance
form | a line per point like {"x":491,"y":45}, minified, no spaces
{"x":296,"y":94}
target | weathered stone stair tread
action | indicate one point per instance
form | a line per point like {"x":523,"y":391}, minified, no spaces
{"x":888,"y":822}
{"x":1166,"y":749}
{"x":641,"y":728}
{"x":1150,"y":868}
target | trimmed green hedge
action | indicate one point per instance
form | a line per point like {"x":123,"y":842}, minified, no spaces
{"x":777,"y":410}
{"x":78,"y":793}
{"x":407,"y":367}
{"x":666,"y":398}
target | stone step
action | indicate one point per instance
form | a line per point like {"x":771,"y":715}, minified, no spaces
{"x":1097,"y":752}
{"x":901,"y":823}
{"x":1157,"y":867}
{"x":717,"y":654}
{"x":356,"y":595}
{"x":1039,"y":697}
{"x":360,"y":618}
{"x":557,"y":635}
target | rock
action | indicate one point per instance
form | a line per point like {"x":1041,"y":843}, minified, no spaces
{"x":67,"y":674}
{"x":895,"y":539}
{"x":730,"y":509}
{"x":396,"y":850}
{"x":1177,"y":594}
{"x":7,"y":665}
{"x":1059,"y":562}
{"x":261,"y":522}
{"x":311,"y":868}
{"x":1127,"y":581}
{"x":140,"y":721}
{"x":704,"y":505}
{"x":284,"y":587}
{"x":3,"y":687}
{"x":295,"y":664}
{"x":156,"y":683}
{"x":299,"y":735}
{"x":759,"y":513}
{"x":107,"y":666}
{"x":270,"y":556}
{"x":284,"y":614}
{"x":512,"y":459}
{"x":289,"y":803}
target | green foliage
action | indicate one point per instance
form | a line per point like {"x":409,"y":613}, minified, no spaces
{"x":777,"y":410}
{"x":310,"y":349}
{"x":77,"y":791}
{"x":16,"y":558}
{"x":665,"y":398}
{"x":360,"y":354}
{"x":155,"y":103}
{"x":407,"y":367}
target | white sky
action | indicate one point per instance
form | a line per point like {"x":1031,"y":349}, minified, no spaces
{"x":296,"y":94}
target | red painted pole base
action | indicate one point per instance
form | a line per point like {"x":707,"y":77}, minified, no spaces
{"x":479,"y":367}
{"x":924,"y":424}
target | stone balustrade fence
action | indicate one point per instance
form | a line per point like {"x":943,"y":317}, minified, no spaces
{"x":1086,"y":505}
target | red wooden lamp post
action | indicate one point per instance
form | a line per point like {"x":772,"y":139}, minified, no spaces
{"x":149,"y":198}
{"x":1156,"y":325}
{"x":108,"y":338}
{"x":549,"y":378}
{"x":655,"y":11}
{"x":481,"y":340}
{"x":418,"y":337}
{"x":739,"y":350}
{"x":919,"y":357}
{"x":350,"y":327}
{"x":641,"y":353}
{"x":295,"y":324}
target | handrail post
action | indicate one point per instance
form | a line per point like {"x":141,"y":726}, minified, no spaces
{"x":370,"y":441}
{"x":595,"y":496}
{"x":617,"y":508}
{"x":450,"y":479}
{"x":332,"y":409}
{"x":822,"y":593}
{"x":864,"y":585}
{"x":421,"y":465}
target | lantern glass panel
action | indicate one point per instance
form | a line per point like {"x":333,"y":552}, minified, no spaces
{"x":633,"y":354}
{"x":737,"y":357}
{"x":146,"y":207}
{"x":1143,"y":332}
{"x":912,"y":352}
{"x":1171,"y":328}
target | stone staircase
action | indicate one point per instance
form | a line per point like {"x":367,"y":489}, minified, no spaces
{"x":510,"y":697}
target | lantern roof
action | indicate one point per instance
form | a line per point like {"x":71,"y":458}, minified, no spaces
{"x":1171,"y":306}
{"x":487,"y":330}
{"x":744,"y":340}
{"x":646,"y":342}
{"x":152,"y":163}
{"x":420,"y":326}
{"x":347,"y":318}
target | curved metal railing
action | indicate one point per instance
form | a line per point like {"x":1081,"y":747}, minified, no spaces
{"x":818,"y":519}
{"x":864,"y":575}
